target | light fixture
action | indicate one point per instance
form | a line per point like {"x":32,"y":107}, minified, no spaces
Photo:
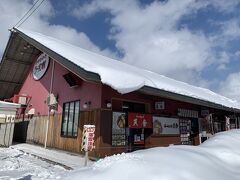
{"x":108,"y":103}
{"x":87,"y":105}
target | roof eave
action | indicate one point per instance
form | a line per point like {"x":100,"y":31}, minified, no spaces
{"x":174,"y":96}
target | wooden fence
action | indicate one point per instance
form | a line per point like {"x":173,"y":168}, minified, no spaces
{"x":37,"y":128}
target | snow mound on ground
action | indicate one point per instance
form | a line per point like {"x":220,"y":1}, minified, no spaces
{"x":216,"y":159}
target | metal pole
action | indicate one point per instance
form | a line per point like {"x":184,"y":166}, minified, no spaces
{"x":86,"y":158}
{"x":48,"y":119}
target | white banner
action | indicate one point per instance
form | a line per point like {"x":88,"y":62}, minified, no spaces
{"x":163,"y":125}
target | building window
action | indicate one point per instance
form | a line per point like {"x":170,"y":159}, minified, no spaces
{"x":70,"y":118}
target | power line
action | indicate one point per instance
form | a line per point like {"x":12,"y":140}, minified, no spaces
{"x":27,"y":15}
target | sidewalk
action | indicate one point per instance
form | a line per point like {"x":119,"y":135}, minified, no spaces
{"x":63,"y":158}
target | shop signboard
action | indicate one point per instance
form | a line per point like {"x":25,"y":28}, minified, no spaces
{"x":118,"y":129}
{"x":40,"y":66}
{"x":187,"y":113}
{"x":88,"y":138}
{"x":138,"y":120}
{"x":164,"y":125}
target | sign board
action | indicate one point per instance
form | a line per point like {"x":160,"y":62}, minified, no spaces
{"x":187,"y":113}
{"x":118,"y":128}
{"x":40,"y":66}
{"x":160,"y":105}
{"x":163,"y":125}
{"x":88,"y":137}
{"x":137,"y":120}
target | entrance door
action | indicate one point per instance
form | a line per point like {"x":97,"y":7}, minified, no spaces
{"x":20,"y":131}
{"x":136,"y":139}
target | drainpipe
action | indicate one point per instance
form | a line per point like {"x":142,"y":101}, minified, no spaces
{"x":49,"y":109}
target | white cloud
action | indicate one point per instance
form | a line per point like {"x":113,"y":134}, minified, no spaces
{"x":12,"y":11}
{"x":223,"y":5}
{"x":231,"y":86}
{"x":149,"y":38}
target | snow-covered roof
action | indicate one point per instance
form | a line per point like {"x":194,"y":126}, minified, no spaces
{"x":123,"y":77}
{"x":9,"y":105}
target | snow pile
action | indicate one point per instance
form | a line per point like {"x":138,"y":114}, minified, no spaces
{"x":216,"y":159}
{"x":123,"y":77}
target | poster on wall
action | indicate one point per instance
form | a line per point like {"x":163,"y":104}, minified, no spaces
{"x":163,"y":125}
{"x":118,"y":129}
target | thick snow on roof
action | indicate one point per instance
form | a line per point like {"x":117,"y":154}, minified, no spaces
{"x":216,"y":159}
{"x":123,"y":77}
{"x":4,"y":104}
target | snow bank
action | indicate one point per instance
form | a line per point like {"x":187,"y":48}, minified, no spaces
{"x":216,"y":159}
{"x":123,"y":77}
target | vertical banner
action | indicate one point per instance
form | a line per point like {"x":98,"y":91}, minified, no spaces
{"x":227,"y":120}
{"x":88,"y":138}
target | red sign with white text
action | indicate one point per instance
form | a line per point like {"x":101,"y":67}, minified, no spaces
{"x":138,"y":120}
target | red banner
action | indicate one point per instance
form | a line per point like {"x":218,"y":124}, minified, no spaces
{"x":137,"y":120}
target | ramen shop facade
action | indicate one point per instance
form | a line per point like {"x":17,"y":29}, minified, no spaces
{"x":67,"y":97}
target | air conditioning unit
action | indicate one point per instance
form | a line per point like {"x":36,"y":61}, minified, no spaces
{"x":51,"y":100}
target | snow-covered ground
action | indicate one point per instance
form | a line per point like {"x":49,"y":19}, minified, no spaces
{"x":26,"y":161}
{"x":15,"y":164}
{"x":216,"y":159}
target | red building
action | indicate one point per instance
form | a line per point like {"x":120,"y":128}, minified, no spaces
{"x":131,"y":108}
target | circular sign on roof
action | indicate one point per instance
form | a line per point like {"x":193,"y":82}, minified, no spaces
{"x":40,"y":66}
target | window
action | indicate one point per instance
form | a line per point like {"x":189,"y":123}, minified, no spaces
{"x":70,"y":118}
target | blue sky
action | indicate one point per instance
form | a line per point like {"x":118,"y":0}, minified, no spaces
{"x":189,"y":40}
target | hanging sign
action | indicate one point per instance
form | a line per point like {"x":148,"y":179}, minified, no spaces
{"x":163,"y":125}
{"x":88,"y":137}
{"x":40,"y":66}
{"x":137,"y":120}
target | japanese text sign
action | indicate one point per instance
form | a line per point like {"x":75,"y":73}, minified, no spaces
{"x":88,"y":137}
{"x":137,"y":120}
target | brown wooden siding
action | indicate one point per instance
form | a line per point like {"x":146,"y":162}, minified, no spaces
{"x":102,"y":119}
{"x":37,"y":126}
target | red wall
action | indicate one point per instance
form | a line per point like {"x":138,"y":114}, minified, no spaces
{"x":171,"y":106}
{"x":39,"y":90}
